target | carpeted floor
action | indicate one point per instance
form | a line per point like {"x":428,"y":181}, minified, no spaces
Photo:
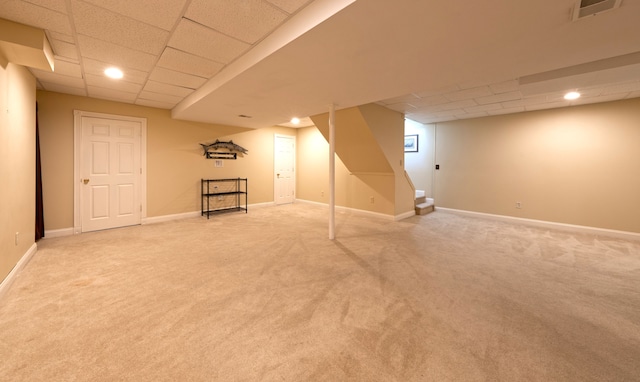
{"x":265,"y":296}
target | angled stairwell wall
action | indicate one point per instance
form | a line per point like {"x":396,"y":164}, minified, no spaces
{"x":369,"y":141}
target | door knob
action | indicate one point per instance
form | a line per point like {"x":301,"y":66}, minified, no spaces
{"x":278,"y":175}
{"x":85,"y":181}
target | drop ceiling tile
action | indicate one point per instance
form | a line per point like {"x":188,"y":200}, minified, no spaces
{"x":56,"y":5}
{"x":598,"y":99}
{"x":188,"y":63}
{"x":37,"y":16}
{"x":113,"y":27}
{"x":51,"y":35}
{"x":510,"y":110}
{"x":633,"y":94}
{"x":457,"y":105}
{"x":64,"y":89}
{"x":64,"y":49}
{"x":108,"y":83}
{"x":245,"y":20}
{"x":502,"y":97}
{"x":448,"y":113}
{"x":625,"y":87}
{"x":483,"y":108}
{"x":111,"y":94}
{"x":98,"y":67}
{"x":482,"y":91}
{"x":166,"y":98}
{"x":176,"y":78}
{"x":524,"y":101}
{"x":505,"y":87}
{"x":289,"y":6}
{"x":68,"y":69}
{"x":156,"y":104}
{"x":472,"y":115}
{"x":204,"y":42}
{"x":432,"y":100}
{"x":159,"y":13}
{"x":55,"y":78}
{"x":158,"y":87}
{"x":118,"y":55}
{"x":545,"y":106}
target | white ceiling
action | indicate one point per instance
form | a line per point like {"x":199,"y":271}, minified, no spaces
{"x":214,"y":60}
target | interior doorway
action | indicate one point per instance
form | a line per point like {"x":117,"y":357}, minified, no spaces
{"x":420,"y":161}
{"x":284,"y":181}
{"x":109,"y":171}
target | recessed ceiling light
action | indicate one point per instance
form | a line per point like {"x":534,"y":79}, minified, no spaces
{"x":571,"y":96}
{"x":114,"y":73}
{"x":295,"y":120}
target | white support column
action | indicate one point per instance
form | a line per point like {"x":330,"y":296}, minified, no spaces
{"x":332,"y":172}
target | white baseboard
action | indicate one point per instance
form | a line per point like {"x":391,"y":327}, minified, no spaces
{"x":260,"y":205}
{"x":166,"y":218}
{"x":405,"y":215}
{"x":354,"y":210}
{"x":547,"y":224}
{"x":5,"y":285}
{"x":58,"y":233}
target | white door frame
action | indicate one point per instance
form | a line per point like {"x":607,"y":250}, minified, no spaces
{"x":77,"y":158}
{"x":275,"y":180}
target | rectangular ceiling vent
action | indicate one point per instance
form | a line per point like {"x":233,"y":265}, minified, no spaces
{"x":586,"y":8}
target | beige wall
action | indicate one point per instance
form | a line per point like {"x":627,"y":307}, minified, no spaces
{"x":577,"y":165}
{"x":352,"y":191}
{"x":420,"y":165}
{"x":369,"y":141}
{"x":175,"y":163}
{"x":17,"y":164}
{"x":387,"y":127}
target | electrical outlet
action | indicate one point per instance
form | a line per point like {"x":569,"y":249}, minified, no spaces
{"x":372,"y":200}
{"x":518,"y":204}
{"x":321,"y":193}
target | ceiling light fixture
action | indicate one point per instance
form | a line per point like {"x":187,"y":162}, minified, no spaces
{"x":114,"y":73}
{"x":295,"y":120}
{"x":571,"y":96}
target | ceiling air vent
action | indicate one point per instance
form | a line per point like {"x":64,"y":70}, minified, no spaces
{"x":585,"y":8}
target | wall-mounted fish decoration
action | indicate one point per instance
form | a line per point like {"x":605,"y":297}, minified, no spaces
{"x":217,"y":145}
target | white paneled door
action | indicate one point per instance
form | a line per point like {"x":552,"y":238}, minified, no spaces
{"x":110,"y":170}
{"x":284,"y":164}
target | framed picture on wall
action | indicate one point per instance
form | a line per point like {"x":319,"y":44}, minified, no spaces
{"x":411,"y":143}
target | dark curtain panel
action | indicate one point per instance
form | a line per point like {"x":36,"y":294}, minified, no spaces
{"x":39,"y":209}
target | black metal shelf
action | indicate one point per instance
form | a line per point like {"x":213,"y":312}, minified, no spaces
{"x":217,"y":195}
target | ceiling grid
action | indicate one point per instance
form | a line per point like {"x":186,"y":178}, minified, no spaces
{"x":404,"y":55}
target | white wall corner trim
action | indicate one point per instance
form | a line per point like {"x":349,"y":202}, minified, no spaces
{"x":547,"y":224}
{"x":8,"y":281}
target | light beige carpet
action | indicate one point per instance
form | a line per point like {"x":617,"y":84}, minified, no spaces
{"x":265,"y":296}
